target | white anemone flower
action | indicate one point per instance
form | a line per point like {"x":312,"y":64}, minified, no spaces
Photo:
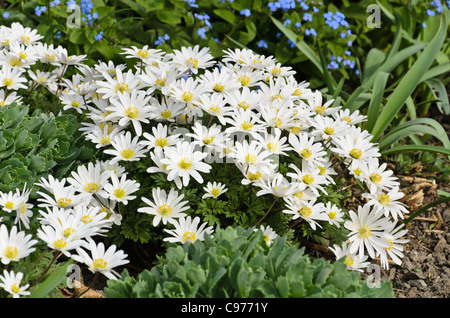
{"x":366,"y":231}
{"x":165,"y":206}
{"x":11,"y":281}
{"x":188,"y":230}
{"x":185,"y":162}
{"x":100,"y":259}
{"x":14,"y":244}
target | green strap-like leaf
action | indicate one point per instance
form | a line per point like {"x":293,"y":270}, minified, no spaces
{"x":409,"y":82}
{"x":301,"y":45}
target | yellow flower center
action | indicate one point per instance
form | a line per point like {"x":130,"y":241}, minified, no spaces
{"x":69,"y":231}
{"x":8,"y":81}
{"x":384,"y":199}
{"x":127,"y":153}
{"x":347,"y":119}
{"x":187,"y":97}
{"x":244,"y":105}
{"x":357,"y":171}
{"x":60,"y":243}
{"x":63,"y":202}
{"x":14,"y":288}
{"x":305,"y":211}
{"x":306,"y":153}
{"x":349,"y":261}
{"x":355,"y":153}
{"x":105,"y":140}
{"x":219,"y":87}
{"x":277,"y":121}
{"x":122,"y":87}
{"x":142,"y":53}
{"x":375,"y":178}
{"x":207,"y":140}
{"x":332,"y":214}
{"x":119,"y":193}
{"x":254,"y":176}
{"x":365,"y":232}
{"x":161,"y":142}
{"x":23,"y":55}
{"x":185,"y":164}
{"x":215,"y":192}
{"x":215,"y":108}
{"x":15,"y":61}
{"x":11,"y":252}
{"x":298,"y":92}
{"x":276,"y":96}
{"x":25,"y":39}
{"x":249,"y":158}
{"x":391,"y":244}
{"x":244,"y":79}
{"x":272,"y":146}
{"x":9,"y":205}
{"x":246,"y":125}
{"x":166,"y":114}
{"x":131,"y":112}
{"x":320,"y":109}
{"x":276,"y":71}
{"x":91,"y":187}
{"x":165,"y":210}
{"x":75,"y":103}
{"x":86,"y":219}
{"x":99,"y":263}
{"x":308,"y":179}
{"x":160,"y":82}
{"x":329,"y":130}
{"x":192,"y":62}
{"x":189,"y":236}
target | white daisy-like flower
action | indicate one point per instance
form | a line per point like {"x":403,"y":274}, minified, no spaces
{"x":315,"y":102}
{"x":161,"y":137}
{"x":15,"y":244}
{"x":268,"y":232}
{"x":185,"y":162}
{"x":56,"y":240}
{"x":378,"y":177}
{"x":387,"y":202}
{"x":274,"y":142}
{"x":335,"y":215}
{"x":89,"y":179}
{"x":311,"y":151}
{"x":366,"y":231}
{"x":120,"y":189}
{"x":220,"y":80}
{"x":11,"y":281}
{"x":309,"y":211}
{"x":278,"y":186}
{"x":187,"y":230}
{"x":394,"y":236}
{"x":100,"y":259}
{"x":310,"y":177}
{"x":165,"y":206}
{"x":11,"y":78}
{"x":214,"y":190}
{"x":126,"y":148}
{"x":11,"y":97}
{"x":122,"y":82}
{"x":192,"y":58}
{"x":130,"y":107}
{"x":353,"y":261}
{"x":11,"y":201}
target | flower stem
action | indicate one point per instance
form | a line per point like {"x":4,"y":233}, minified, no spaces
{"x":268,"y":210}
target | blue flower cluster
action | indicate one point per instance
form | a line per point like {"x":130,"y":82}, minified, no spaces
{"x":335,"y":20}
{"x":206,"y":25}
{"x":162,"y":39}
{"x":39,"y":10}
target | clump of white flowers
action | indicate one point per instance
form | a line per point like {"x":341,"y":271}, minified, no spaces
{"x":244,"y":110}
